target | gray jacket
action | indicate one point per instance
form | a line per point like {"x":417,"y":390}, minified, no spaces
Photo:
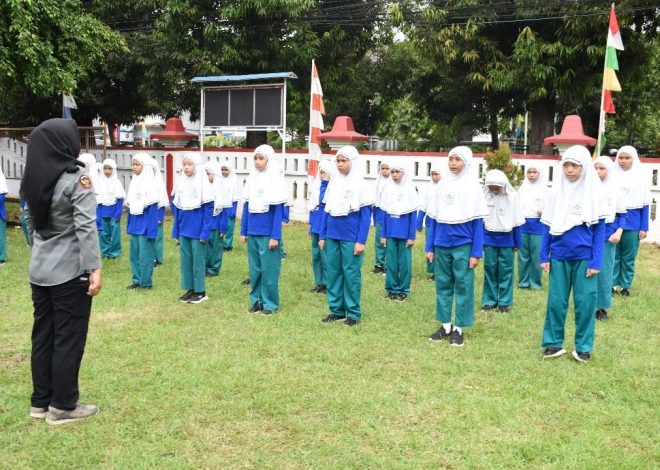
{"x":69,"y":246}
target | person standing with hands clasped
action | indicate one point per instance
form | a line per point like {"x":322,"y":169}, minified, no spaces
{"x":65,"y":267}
{"x":532,"y":195}
{"x":316,"y":210}
{"x":344,"y":231}
{"x":454,"y":242}
{"x":572,"y":252}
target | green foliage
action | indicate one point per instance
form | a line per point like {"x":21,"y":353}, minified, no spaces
{"x":500,"y":159}
{"x":220,"y":141}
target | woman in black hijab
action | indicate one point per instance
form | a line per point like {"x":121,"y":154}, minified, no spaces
{"x":65,"y":267}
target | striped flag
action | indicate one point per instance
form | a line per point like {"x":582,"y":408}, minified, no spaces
{"x":68,"y":103}
{"x":610,"y":81}
{"x":316,"y":113}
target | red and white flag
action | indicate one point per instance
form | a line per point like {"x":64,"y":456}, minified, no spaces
{"x":316,"y":113}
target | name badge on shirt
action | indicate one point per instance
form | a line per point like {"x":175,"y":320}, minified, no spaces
{"x":500,"y":212}
{"x":348,"y":194}
{"x":449,"y":199}
{"x":193,"y":193}
{"x":576,"y":209}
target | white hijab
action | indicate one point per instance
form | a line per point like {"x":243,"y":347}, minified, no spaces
{"x":532,"y":195}
{"x":268,"y":187}
{"x":635,"y":187}
{"x":142,"y":190}
{"x":230,"y":192}
{"x":381,"y":181}
{"x":326,"y":166}
{"x":348,"y":193}
{"x":161,"y":190}
{"x":400,"y":198}
{"x":460,"y":196}
{"x":505,"y":209}
{"x":110,"y":188}
{"x":215,"y":169}
{"x":570,"y":204}
{"x":192,"y":192}
{"x":430,"y":201}
{"x":94,"y":170}
{"x":614,"y":201}
{"x":3,"y":183}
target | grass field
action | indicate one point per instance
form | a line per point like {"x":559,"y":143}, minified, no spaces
{"x":211,"y":386}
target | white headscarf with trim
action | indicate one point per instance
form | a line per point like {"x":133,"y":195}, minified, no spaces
{"x":268,"y":187}
{"x":348,"y":193}
{"x":109,"y":187}
{"x":326,"y":166}
{"x":430,"y":200}
{"x":505,"y":209}
{"x":400,"y":198}
{"x":532,"y":195}
{"x":381,"y":181}
{"x":142,"y":190}
{"x":159,"y":181}
{"x":94,"y":170}
{"x":230,"y":192}
{"x":460,"y":196}
{"x":635,"y":187}
{"x":614,"y":202}
{"x":215,"y":169}
{"x":192,"y":192}
{"x":570,"y":204}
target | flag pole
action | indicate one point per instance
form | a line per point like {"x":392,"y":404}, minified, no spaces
{"x":311,"y":100}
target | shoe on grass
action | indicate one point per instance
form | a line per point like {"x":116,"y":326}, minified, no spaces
{"x":197,"y":298}
{"x":184,"y":298}
{"x":322,"y":289}
{"x":625,"y":292}
{"x":133,"y":286}
{"x":246,"y":282}
{"x":456,"y":338}
{"x":581,"y":357}
{"x":332,"y":318}
{"x":488,"y":308}
{"x":601,"y":315}
{"x":551,"y":352}
{"x":504,"y":309}
{"x":38,"y":413}
{"x":401,"y":297}
{"x":266,"y":313}
{"x":350,"y":322}
{"x":257,"y":307}
{"x":56,"y":417}
{"x":439,"y":335}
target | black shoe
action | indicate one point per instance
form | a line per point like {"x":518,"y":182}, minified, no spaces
{"x":456,"y":338}
{"x":625,"y":292}
{"x":487,"y":308}
{"x":322,"y":289}
{"x":401,"y":297}
{"x":197,"y":298}
{"x":257,"y":307}
{"x":581,"y":357}
{"x":350,"y":322}
{"x":504,"y":309}
{"x":332,"y":318}
{"x":439,"y":335}
{"x":186,"y":296}
{"x":390,"y":296}
{"x":524,"y":287}
{"x":157,"y":263}
{"x":266,"y":313}
{"x":378,"y":269}
{"x":228,"y":248}
{"x":614,"y":291}
{"x":133,"y":286}
{"x":601,"y":315}
{"x":246,"y":282}
{"x":552,"y":352}
{"x":314,"y":290}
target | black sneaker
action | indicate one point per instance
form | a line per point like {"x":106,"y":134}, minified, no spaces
{"x":614,"y":291}
{"x":439,"y":335}
{"x":431,"y":277}
{"x":401,"y":297}
{"x":390,"y":296}
{"x":157,"y":263}
{"x":504,"y":309}
{"x":322,"y":289}
{"x":314,"y":289}
{"x":350,"y":322}
{"x":581,"y":356}
{"x":257,"y":307}
{"x":246,"y":282}
{"x":552,"y":352}
{"x":186,"y":296}
{"x":378,"y":269}
{"x":487,"y":308}
{"x":197,"y":298}
{"x":332,"y":318}
{"x":601,"y":315}
{"x":133,"y":286}
{"x":266,"y":313}
{"x":456,"y":338}
{"x":228,"y":248}
{"x":625,"y":292}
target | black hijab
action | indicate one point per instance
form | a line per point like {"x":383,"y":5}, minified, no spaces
{"x":53,"y":148}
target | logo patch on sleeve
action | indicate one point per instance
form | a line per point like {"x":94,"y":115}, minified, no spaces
{"x":85,"y":181}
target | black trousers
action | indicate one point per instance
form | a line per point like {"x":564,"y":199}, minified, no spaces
{"x":59,"y":333}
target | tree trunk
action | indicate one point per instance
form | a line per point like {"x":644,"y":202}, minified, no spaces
{"x":494,"y":129}
{"x":255,"y":138}
{"x":543,"y":125}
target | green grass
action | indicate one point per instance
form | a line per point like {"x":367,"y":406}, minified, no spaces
{"x":210,"y":386}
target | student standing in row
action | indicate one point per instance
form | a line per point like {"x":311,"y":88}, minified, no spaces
{"x":637,"y":199}
{"x":316,"y":210}
{"x":379,"y":253}
{"x":230,"y":193}
{"x":455,"y":244}
{"x":193,"y":214}
{"x":429,"y":198}
{"x":111,"y":197}
{"x":343,"y":235}
{"x":399,"y":203}
{"x":264,"y":197}
{"x":163,"y":203}
{"x":501,"y":240}
{"x":94,"y":172}
{"x":532,"y":195}
{"x":142,"y":222}
{"x":215,"y":246}
{"x":615,"y":219}
{"x":4,"y":190}
{"x":572,"y":252}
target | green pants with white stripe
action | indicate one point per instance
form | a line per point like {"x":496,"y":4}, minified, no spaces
{"x":498,"y":277}
{"x":529,"y":262}
{"x":142,"y":259}
{"x":344,"y":279}
{"x":564,"y":277}
{"x":192,"y":255}
{"x":264,"y":265}
{"x":605,"y":277}
{"x":626,"y":252}
{"x":454,"y":278}
{"x":399,"y":266}
{"x":214,"y":251}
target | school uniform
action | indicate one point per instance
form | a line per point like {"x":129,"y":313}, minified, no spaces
{"x":378,"y":214}
{"x":431,"y":193}
{"x":265,"y":194}
{"x":94,"y":172}
{"x":532,"y":196}
{"x":142,"y":224}
{"x":501,"y":238}
{"x":219,"y":221}
{"x":111,"y":197}
{"x":573,"y":243}
{"x":163,"y":203}
{"x":637,"y":200}
{"x":4,"y":190}
{"x":455,"y":235}
{"x":230,"y":194}
{"x":346,"y":220}
{"x":316,"y":210}
{"x":193,"y":217}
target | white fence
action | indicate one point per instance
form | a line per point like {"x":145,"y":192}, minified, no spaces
{"x":12,"y":158}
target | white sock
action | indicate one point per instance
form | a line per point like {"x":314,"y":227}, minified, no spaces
{"x":447,"y":327}
{"x":459,"y":329}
